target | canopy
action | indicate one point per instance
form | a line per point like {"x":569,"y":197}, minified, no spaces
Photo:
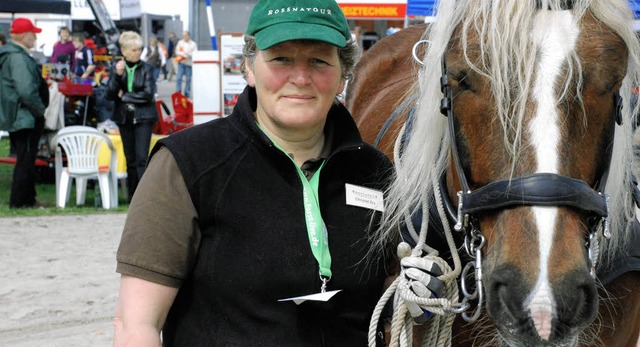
{"x":36,"y":6}
{"x":426,"y":7}
{"x":420,"y":7}
{"x":635,"y":6}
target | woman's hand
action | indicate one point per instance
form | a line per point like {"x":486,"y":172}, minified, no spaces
{"x":120,"y":67}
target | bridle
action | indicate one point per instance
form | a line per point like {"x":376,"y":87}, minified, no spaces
{"x":538,"y":189}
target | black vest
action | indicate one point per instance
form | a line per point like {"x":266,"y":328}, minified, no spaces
{"x":255,"y":247}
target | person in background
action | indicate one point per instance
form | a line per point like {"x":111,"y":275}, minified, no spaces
{"x":184,"y":58}
{"x":171,"y":52}
{"x":83,"y":65}
{"x":154,"y":56}
{"x":63,"y":51}
{"x":24,"y":97}
{"x":132,"y":86}
{"x":235,"y":217}
{"x":3,"y":40}
{"x":163,"y":50}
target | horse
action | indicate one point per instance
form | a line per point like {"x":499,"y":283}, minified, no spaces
{"x":510,"y":125}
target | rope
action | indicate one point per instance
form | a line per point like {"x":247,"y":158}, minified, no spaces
{"x":438,"y":327}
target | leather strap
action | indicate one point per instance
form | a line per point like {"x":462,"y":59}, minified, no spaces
{"x":540,"y":189}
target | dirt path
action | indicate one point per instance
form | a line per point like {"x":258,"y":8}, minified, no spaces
{"x":58,"y":284}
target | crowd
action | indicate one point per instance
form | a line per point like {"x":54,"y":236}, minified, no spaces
{"x":130,"y":92}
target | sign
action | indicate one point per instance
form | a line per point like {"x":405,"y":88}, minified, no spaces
{"x":383,"y":9}
{"x":130,"y":9}
{"x":232,"y":81}
{"x":206,"y":86}
{"x":80,"y":9}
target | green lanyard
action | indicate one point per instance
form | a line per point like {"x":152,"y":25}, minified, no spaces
{"x":130,"y":72}
{"x":318,"y":236}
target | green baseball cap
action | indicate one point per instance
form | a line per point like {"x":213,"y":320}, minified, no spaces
{"x":276,"y":21}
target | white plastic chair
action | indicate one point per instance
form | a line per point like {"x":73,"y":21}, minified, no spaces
{"x":82,"y":145}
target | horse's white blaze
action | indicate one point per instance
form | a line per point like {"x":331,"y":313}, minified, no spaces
{"x":556,"y":33}
{"x":540,"y":302}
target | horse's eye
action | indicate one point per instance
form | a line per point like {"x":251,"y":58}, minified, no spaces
{"x":462,"y":81}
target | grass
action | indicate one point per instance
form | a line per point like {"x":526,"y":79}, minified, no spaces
{"x":46,"y":194}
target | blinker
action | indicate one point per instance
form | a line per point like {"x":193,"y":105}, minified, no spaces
{"x":445,"y":103}
{"x":564,"y":5}
{"x":617,"y":102}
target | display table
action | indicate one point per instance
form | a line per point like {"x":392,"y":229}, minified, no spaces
{"x":103,"y":157}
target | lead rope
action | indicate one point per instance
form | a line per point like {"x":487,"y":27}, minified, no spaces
{"x":438,"y":327}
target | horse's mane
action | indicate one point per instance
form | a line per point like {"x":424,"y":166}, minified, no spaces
{"x":506,"y":45}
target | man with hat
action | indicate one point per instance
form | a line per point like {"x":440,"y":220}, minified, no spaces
{"x":23,"y":98}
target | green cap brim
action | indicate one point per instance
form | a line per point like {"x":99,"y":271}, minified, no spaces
{"x":278,"y":33}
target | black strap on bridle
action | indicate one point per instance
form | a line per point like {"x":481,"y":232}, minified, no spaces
{"x":538,"y":189}
{"x":564,"y":5}
{"x":397,"y":112}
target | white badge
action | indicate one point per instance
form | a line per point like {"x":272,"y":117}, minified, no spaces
{"x":364,"y":197}
{"x":325,"y":296}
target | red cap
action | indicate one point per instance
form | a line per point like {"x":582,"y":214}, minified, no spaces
{"x":23,"y":25}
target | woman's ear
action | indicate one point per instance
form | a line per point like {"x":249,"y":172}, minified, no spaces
{"x":341,"y":86}
{"x":251,"y":81}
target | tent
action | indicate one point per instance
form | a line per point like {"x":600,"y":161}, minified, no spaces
{"x":36,"y":6}
{"x":635,"y":6}
{"x":420,"y":7}
{"x":426,"y":7}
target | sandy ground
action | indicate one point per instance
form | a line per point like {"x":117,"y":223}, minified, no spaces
{"x":58,"y":284}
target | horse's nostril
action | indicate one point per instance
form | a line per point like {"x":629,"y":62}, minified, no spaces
{"x":505,"y":290}
{"x":581,"y":304}
{"x":513,"y":303}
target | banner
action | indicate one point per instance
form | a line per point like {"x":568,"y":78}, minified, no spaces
{"x":383,"y":9}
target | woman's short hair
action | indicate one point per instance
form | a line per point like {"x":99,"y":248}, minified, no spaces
{"x":348,"y":56}
{"x":78,"y":37}
{"x":130,"y":39}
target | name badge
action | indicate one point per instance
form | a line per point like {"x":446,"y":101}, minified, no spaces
{"x":364,"y":197}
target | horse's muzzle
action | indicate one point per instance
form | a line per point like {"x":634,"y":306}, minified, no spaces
{"x":574,"y":304}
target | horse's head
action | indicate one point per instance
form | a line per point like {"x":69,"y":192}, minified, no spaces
{"x":554,"y":112}
{"x":531,"y":130}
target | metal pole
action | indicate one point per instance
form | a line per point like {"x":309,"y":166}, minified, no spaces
{"x":212,"y":28}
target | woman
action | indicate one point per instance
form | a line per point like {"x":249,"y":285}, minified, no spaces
{"x":132,"y":86}
{"x":63,"y":51}
{"x":235,"y":217}
{"x":154,"y":56}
